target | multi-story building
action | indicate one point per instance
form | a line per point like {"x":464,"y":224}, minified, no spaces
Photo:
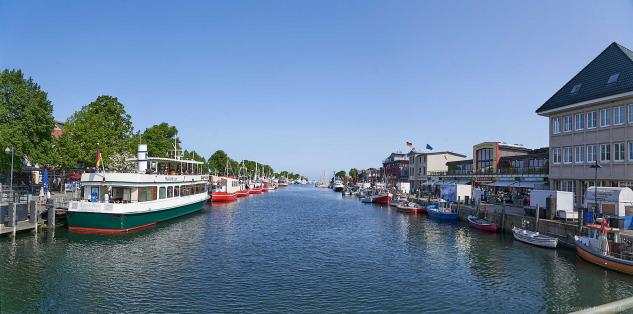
{"x":369,"y":175}
{"x":421,"y":164}
{"x":591,"y":123}
{"x":500,"y":166}
{"x":396,"y":168}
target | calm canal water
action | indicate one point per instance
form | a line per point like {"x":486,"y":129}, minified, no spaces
{"x":298,"y":249}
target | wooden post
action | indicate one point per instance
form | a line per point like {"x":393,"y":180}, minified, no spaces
{"x":51,"y":215}
{"x":12,"y":217}
{"x":538,"y":210}
{"x":581,"y":217}
{"x":32,"y":212}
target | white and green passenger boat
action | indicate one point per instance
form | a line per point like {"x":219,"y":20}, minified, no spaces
{"x":162,"y":189}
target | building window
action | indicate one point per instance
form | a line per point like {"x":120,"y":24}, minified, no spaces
{"x":575,"y":89}
{"x":613,"y":78}
{"x":618,"y":115}
{"x":556,"y":125}
{"x":605,"y":117}
{"x":605,"y":152}
{"x":567,"y":124}
{"x":579,"y":119}
{"x":618,"y":151}
{"x":591,"y":120}
{"x":591,"y":153}
{"x":567,"y":155}
{"x":631,"y":151}
{"x":630,"y":113}
{"x":484,"y":158}
{"x":580,"y":154}
{"x":556,"y":155}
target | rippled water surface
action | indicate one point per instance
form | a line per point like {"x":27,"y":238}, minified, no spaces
{"x":298,"y":249}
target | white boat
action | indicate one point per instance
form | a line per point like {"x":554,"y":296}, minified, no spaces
{"x":119,"y":202}
{"x":338,"y":186}
{"x":534,"y":238}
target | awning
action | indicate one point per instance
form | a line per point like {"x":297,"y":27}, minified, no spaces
{"x":528,"y":185}
{"x":502,"y":183}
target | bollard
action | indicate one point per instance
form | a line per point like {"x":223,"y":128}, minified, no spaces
{"x":51,"y":215}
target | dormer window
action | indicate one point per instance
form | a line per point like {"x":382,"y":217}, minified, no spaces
{"x":575,"y":89}
{"x":613,"y":78}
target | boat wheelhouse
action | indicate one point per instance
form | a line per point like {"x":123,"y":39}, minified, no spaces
{"x":224,"y":189}
{"x":162,"y":189}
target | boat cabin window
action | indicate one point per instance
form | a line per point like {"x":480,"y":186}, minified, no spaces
{"x":170,"y":191}
{"x":162,"y":192}
{"x":177,"y":191}
{"x":146,"y":194}
{"x":121,"y":194}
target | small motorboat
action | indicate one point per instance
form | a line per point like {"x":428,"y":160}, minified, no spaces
{"x":441,"y":211}
{"x":408,"y":207}
{"x":366,"y":199}
{"x":604,"y":250}
{"x":382,"y":198}
{"x":482,"y":224}
{"x":534,"y":238}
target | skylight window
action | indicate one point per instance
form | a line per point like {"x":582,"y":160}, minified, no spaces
{"x":613,"y":78}
{"x":575,"y":89}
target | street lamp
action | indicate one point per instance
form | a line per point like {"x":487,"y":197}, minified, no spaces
{"x":595,"y":187}
{"x":10,"y":150}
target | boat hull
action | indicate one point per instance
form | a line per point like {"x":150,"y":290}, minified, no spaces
{"x":242,"y":193}
{"x":603,"y":261}
{"x":546,"y":242}
{"x":442,"y":215}
{"x":383,"y":199}
{"x":473,"y":222}
{"x":407,"y":210}
{"x":223,"y":197}
{"x":255,"y":191}
{"x":91,"y":222}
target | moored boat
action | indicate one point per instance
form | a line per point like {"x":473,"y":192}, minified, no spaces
{"x":224,"y":189}
{"x":120,"y":202}
{"x":383,"y":198}
{"x":338,"y":186}
{"x":408,"y":207}
{"x":605,"y":251}
{"x":367,"y":199}
{"x":441,"y":211}
{"x":481,"y":224}
{"x":242,"y":193}
{"x":534,"y":238}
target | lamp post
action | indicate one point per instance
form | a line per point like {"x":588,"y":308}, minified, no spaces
{"x":10,"y":150}
{"x":596,"y":166}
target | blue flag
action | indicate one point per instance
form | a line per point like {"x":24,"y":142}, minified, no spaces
{"x":45,"y":180}
{"x":429,"y":147}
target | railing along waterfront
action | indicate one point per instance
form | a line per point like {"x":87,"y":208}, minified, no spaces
{"x":501,"y":171}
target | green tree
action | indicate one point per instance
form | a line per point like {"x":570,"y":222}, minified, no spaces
{"x":104,"y":122}
{"x":26,"y":120}
{"x":353,"y":173}
{"x":341,"y":174}
{"x":217,"y":162}
{"x":160,"y":139}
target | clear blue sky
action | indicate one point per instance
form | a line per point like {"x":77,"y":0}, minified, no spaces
{"x":314,"y":86}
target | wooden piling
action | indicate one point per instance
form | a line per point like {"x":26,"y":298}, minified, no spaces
{"x":50,"y":223}
{"x":12,"y":217}
{"x":581,"y":217}
{"x":503,"y":215}
{"x":538,"y":211}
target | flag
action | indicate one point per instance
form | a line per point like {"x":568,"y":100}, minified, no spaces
{"x":429,"y":147}
{"x":409,"y":144}
{"x":99,"y":160}
{"x":45,"y":180}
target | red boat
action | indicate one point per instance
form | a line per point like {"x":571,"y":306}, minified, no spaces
{"x":265,"y":189}
{"x":255,"y":191}
{"x":381,"y":199}
{"x":408,"y":208}
{"x":221,"y":197}
{"x":242,"y":193}
{"x":482,"y":224}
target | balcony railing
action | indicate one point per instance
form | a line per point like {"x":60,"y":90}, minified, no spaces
{"x":501,"y":171}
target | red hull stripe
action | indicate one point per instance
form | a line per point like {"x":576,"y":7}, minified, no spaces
{"x":108,"y":231}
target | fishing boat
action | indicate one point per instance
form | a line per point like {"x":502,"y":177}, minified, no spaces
{"x":283,"y":182}
{"x":338,"y":186}
{"x":114,"y":202}
{"x":382,"y":198}
{"x":534,"y":238}
{"x":441,"y":211}
{"x":603,"y":246}
{"x":481,"y":224}
{"x":242,"y":193}
{"x":224,"y":189}
{"x":243,"y":190}
{"x":408,"y":207}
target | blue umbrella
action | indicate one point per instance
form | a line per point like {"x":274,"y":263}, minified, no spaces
{"x":45,"y":180}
